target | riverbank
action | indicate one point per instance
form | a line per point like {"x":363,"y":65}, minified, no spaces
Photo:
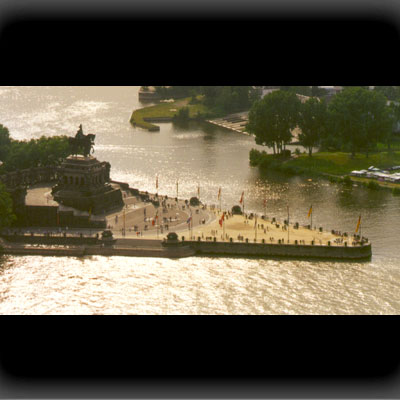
{"x":164,"y":112}
{"x":181,"y":249}
{"x":238,"y":121}
{"x":334,"y":166}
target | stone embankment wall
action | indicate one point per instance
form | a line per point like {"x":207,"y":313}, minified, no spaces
{"x":51,"y":240}
{"x":79,"y":247}
{"x":281,"y":250}
{"x":153,"y":248}
{"x":99,"y":251}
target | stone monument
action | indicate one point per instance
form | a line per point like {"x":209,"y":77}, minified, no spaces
{"x":84,"y":182}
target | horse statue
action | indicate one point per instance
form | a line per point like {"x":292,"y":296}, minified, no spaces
{"x":82,"y":144}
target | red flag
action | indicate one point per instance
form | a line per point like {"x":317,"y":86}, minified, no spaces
{"x":222,"y":220}
{"x":241,"y":199}
{"x":153,"y":222}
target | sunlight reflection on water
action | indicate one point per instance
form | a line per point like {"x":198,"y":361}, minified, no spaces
{"x":212,"y":158}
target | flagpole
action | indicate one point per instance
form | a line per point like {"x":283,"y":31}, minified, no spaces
{"x":191,"y":224}
{"x":124,"y":222}
{"x":223,"y":225}
{"x":177,"y":189}
{"x":255,"y":226}
{"x":265,"y":208}
{"x":157,"y":185}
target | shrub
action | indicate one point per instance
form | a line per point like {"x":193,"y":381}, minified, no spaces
{"x":396,"y":191}
{"x":256,"y":157}
{"x":347,"y":181}
{"x":237,"y":210}
{"x":182,"y":115}
{"x":286,"y":153}
{"x":194,"y":201}
{"x":172,"y":236}
{"x":373,"y":185}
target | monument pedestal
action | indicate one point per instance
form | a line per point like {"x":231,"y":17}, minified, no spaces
{"x":84,"y":184}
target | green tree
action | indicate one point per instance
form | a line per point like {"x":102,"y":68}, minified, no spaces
{"x":312,"y":122}
{"x":229,"y":99}
{"x":359,"y":117}
{"x":391,"y":92}
{"x":5,"y":142}
{"x":273,"y":118}
{"x":303,"y":90}
{"x":46,"y":151}
{"x":7,"y":216}
{"x":394,"y":115}
{"x":316,"y":91}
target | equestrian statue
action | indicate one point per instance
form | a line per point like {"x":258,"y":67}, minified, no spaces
{"x":82,"y":144}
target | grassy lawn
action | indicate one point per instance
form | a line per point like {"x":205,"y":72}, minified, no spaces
{"x":165,"y":110}
{"x":395,"y":146}
{"x":388,"y":185}
{"x":331,"y":165}
{"x":341,"y":163}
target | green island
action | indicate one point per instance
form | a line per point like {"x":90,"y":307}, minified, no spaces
{"x":194,"y":102}
{"x":143,"y":117}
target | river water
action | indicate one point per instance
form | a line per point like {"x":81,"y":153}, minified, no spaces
{"x":210,"y":157}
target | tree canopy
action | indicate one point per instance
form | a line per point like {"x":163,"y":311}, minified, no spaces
{"x":229,"y":99}
{"x":392,"y":93}
{"x":7,"y":216}
{"x":312,"y":122}
{"x":221,"y":99}
{"x":22,"y":154}
{"x":5,"y":142}
{"x":311,"y":91}
{"x":360,"y":117}
{"x":272,"y":119}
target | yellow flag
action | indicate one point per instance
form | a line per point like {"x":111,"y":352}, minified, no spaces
{"x":358,"y":223}
{"x":310,"y":212}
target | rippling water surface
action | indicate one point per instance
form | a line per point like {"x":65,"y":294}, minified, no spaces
{"x":205,"y":155}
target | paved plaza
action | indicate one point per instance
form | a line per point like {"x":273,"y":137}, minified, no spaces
{"x":142,"y":220}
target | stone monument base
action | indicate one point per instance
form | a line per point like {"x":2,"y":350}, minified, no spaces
{"x":84,"y":184}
